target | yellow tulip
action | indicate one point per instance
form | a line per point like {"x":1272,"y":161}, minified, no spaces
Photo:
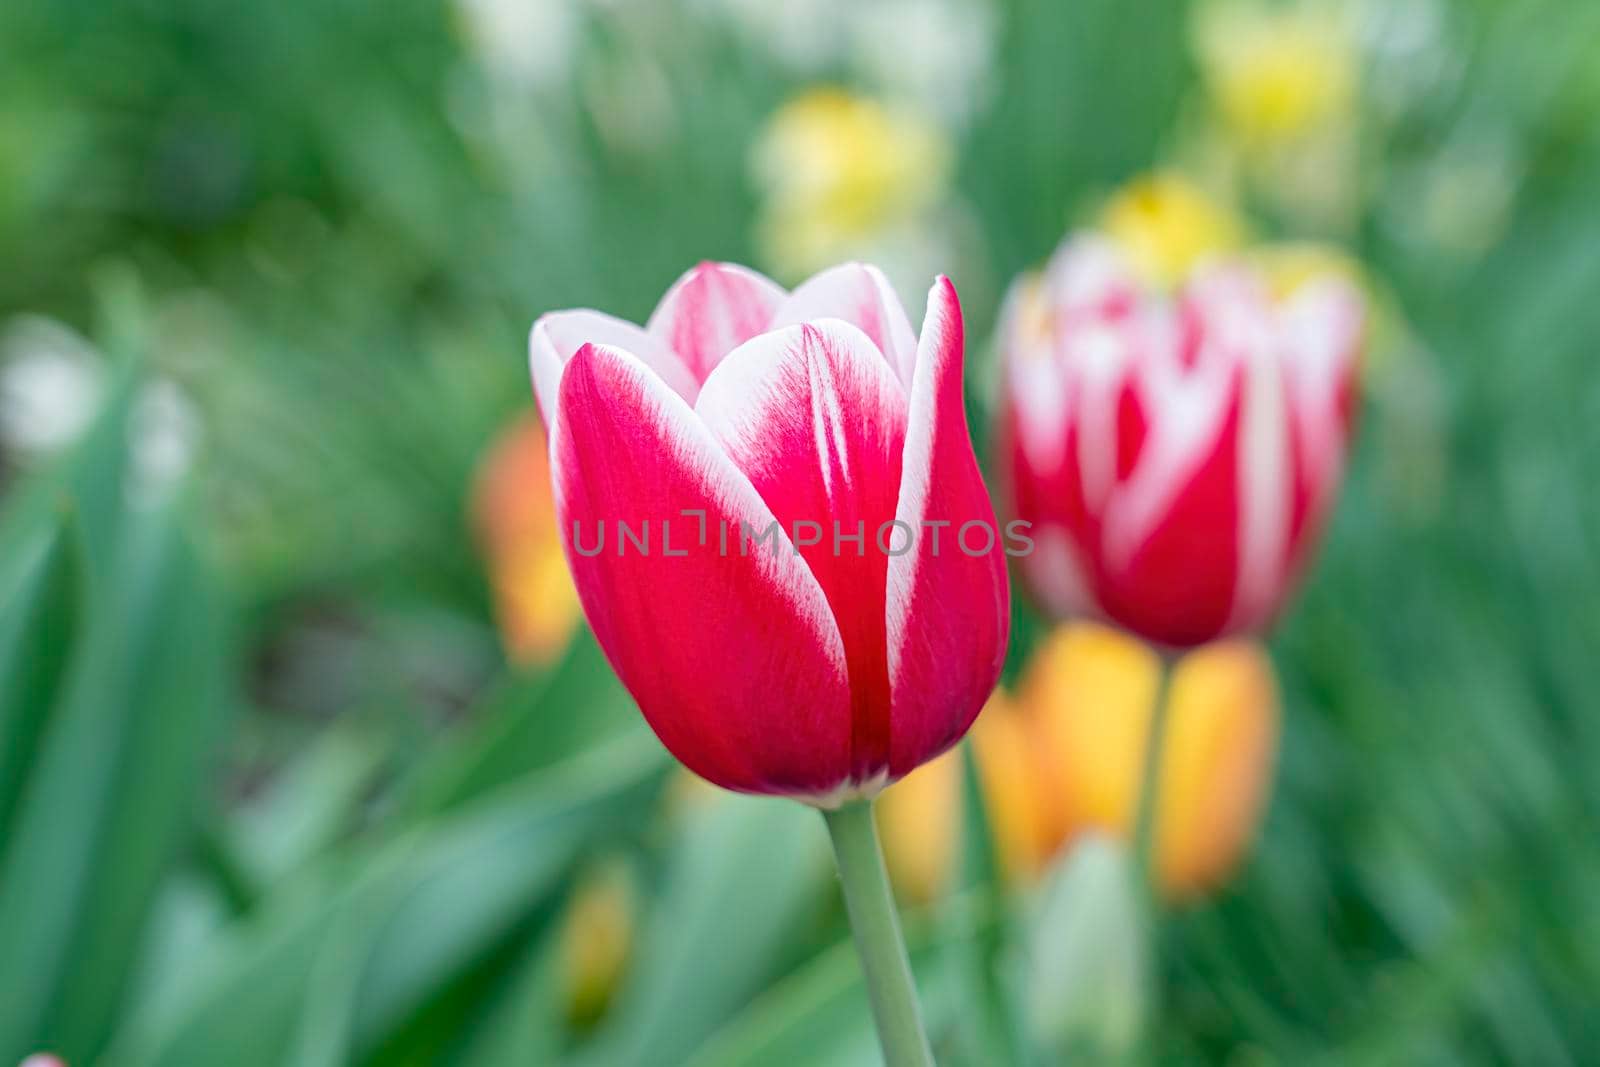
{"x":835,"y":169}
{"x":1166,"y":224}
{"x":1085,"y":708}
{"x":514,"y":514}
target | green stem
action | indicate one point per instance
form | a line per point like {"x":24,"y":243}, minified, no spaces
{"x":1144,"y":829}
{"x":877,"y":932}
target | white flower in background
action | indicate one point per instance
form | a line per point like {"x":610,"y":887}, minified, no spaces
{"x":52,"y":384}
{"x":527,"y":44}
{"x":1408,"y":51}
{"x":51,"y":380}
{"x":164,"y":438}
{"x":932,"y":55}
{"x":803,"y":35}
{"x":937,"y":55}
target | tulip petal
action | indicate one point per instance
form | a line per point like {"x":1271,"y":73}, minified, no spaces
{"x":1323,"y":326}
{"x":813,"y":415}
{"x":711,"y":310}
{"x":557,"y":336}
{"x":707,"y":639}
{"x":859,"y":294}
{"x":945,"y":607}
{"x":1171,"y":570}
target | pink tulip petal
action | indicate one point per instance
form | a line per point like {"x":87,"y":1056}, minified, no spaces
{"x":735,"y":660}
{"x":859,"y":294}
{"x":711,"y":310}
{"x":558,"y":335}
{"x":814,"y":416}
{"x":945,"y":607}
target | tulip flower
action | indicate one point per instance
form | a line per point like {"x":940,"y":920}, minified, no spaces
{"x":1176,"y":453}
{"x":774,"y":471}
{"x":515,"y":516}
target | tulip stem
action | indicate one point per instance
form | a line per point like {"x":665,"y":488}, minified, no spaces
{"x":876,"y":926}
{"x":1145,"y":844}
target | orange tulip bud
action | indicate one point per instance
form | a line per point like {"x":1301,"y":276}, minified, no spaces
{"x":515,"y":517}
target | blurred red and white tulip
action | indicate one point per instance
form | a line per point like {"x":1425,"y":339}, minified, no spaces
{"x":1176,"y":452}
{"x":738,"y":422}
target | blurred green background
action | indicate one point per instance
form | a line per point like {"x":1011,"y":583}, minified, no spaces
{"x":271,"y":792}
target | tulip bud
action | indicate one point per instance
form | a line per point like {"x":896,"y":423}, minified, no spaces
{"x":1093,"y":690}
{"x":1082,"y":971}
{"x":1176,"y":454}
{"x":515,"y":517}
{"x":750,"y":492}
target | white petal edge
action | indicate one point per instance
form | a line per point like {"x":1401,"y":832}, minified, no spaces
{"x":557,"y":335}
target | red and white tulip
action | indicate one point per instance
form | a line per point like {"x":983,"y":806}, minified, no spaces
{"x":778,"y":666}
{"x":1175,"y":453}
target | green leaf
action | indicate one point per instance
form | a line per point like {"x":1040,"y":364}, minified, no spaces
{"x":87,"y":482}
{"x":37,"y":619}
{"x":522,"y":1023}
{"x":747,"y":873}
{"x":307,"y":806}
{"x":441,"y":898}
{"x":529,"y":723}
{"x":108,"y":800}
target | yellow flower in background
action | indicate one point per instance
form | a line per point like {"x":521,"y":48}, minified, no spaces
{"x":1095,"y":691}
{"x":835,"y":170}
{"x":596,"y":937}
{"x":515,"y":519}
{"x":1084,"y":712}
{"x":1165,"y":224}
{"x":1276,"y":72}
{"x":1063,"y":757}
